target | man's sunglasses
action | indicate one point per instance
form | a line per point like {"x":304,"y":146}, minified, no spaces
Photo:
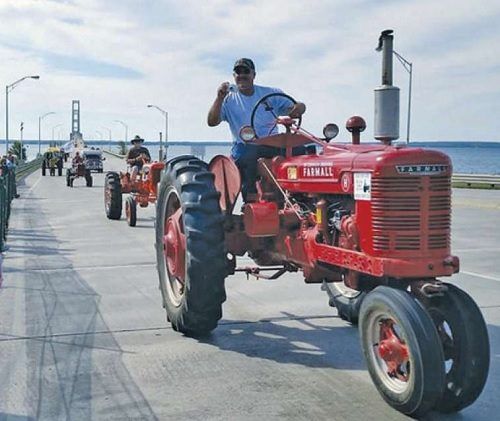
{"x":242,"y":71}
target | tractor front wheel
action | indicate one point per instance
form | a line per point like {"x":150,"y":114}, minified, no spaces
{"x":190,"y":253}
{"x":466,"y":347}
{"x":402,"y":350}
{"x":131,"y":211}
{"x":113,"y":196}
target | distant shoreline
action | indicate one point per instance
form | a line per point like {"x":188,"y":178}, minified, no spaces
{"x":429,"y":143}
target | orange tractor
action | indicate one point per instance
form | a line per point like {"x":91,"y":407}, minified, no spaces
{"x":369,"y":222}
{"x":141,"y":191}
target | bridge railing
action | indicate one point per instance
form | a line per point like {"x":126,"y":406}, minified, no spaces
{"x":480,"y":181}
{"x":8,"y":191}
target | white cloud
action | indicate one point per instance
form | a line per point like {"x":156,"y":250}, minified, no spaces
{"x":321,"y":52}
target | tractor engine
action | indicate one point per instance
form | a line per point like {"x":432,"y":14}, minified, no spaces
{"x":375,"y":210}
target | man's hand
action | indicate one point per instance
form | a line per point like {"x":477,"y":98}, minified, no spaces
{"x":222,"y":90}
{"x":297,"y":110}
{"x":213,"y":118}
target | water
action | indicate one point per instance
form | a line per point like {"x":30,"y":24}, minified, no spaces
{"x":467,"y":157}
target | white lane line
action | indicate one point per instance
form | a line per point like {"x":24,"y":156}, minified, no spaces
{"x":90,"y":267}
{"x":478,"y":275}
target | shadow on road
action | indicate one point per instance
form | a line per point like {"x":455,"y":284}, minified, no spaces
{"x":292,"y":340}
{"x":72,"y":372}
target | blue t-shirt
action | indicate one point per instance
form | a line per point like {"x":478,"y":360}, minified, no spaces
{"x":237,"y":111}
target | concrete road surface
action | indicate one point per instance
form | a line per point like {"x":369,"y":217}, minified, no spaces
{"x":83,"y":334}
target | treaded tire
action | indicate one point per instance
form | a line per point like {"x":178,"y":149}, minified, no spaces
{"x":195,"y":306}
{"x":131,"y":211}
{"x":113,"y":196}
{"x":415,"y":329}
{"x":466,"y":347}
{"x":88,"y":178}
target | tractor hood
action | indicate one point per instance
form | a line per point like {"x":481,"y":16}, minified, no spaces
{"x":332,"y":172}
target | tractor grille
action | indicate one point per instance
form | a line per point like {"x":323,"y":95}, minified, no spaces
{"x":411,"y":214}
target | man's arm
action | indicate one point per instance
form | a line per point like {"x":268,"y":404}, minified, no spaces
{"x":213,"y":118}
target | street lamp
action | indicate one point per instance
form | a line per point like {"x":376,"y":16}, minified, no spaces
{"x":166,"y":129}
{"x":409,"y":68}
{"x":109,"y":133}
{"x":126,"y":128}
{"x":53,"y":128}
{"x":40,"y":129}
{"x":9,"y":88}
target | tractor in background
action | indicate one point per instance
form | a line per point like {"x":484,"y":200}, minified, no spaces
{"x":78,"y":169}
{"x":370,"y":223}
{"x":53,"y":161}
{"x":140,"y":191}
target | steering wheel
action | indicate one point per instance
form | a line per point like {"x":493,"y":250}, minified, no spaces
{"x":263,"y":102}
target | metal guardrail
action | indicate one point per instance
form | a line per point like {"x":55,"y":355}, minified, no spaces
{"x":476,"y":180}
{"x":114,"y":154}
{"x":25,"y":169}
{"x":8,"y":191}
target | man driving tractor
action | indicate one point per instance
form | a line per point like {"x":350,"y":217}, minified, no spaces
{"x":77,"y":159}
{"x":137,"y":156}
{"x":235,"y":107}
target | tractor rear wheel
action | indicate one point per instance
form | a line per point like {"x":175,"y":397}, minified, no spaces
{"x":131,"y":211}
{"x":190,"y":253}
{"x":113,"y":196}
{"x":88,"y":178}
{"x":402,"y":350}
{"x":466,"y":347}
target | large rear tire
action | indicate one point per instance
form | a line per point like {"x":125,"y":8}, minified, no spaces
{"x":131,"y":211}
{"x":466,"y":347}
{"x":190,"y":253}
{"x":113,"y":196}
{"x":402,"y":350}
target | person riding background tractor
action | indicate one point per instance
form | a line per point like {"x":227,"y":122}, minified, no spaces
{"x":137,"y":156}
{"x":77,"y":159}
{"x":235,"y":107}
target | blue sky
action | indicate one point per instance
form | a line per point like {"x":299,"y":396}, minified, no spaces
{"x":117,"y":56}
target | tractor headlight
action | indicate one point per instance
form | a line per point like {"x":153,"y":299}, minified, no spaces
{"x":330,"y":131}
{"x":247,"y":133}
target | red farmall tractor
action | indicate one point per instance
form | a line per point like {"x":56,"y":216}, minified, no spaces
{"x":370,"y":222}
{"x":141,"y":191}
{"x":78,"y":170}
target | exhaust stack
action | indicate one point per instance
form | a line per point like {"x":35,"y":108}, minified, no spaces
{"x":386,"y":95}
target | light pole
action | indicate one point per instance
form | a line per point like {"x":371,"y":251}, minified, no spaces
{"x":9,"y":88}
{"x":126,"y":128}
{"x":166,"y":130}
{"x":53,"y":128}
{"x":40,"y":130}
{"x":409,"y":68}
{"x":109,"y":133}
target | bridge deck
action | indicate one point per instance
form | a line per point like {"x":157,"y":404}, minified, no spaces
{"x":83,"y":334}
